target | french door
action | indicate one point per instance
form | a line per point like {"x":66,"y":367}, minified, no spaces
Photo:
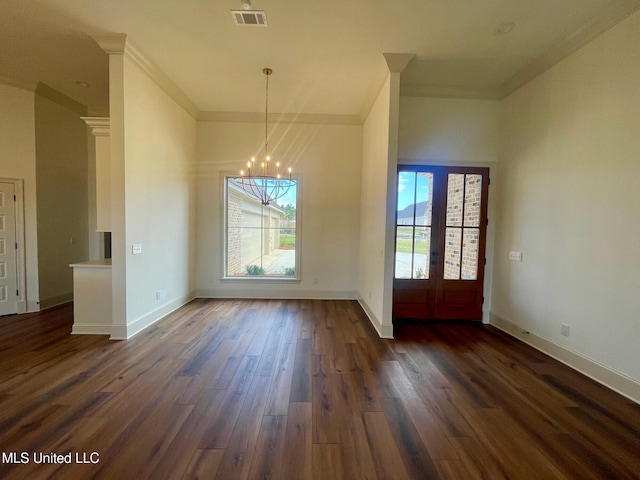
{"x":441,"y":222}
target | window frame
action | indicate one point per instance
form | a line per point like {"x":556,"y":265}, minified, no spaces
{"x":225,"y":230}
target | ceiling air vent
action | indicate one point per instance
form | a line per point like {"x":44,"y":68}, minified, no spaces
{"x":250,"y":18}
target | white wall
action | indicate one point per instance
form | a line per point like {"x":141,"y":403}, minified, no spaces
{"x":62,"y":199}
{"x":18,"y":161}
{"x":326,"y":158}
{"x":569,"y":200}
{"x":153,"y":161}
{"x":160,"y":152}
{"x":446,"y":131}
{"x":373,"y":288}
{"x":461,"y":132}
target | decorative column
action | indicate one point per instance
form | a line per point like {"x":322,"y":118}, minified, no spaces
{"x":100,"y":128}
{"x":396,"y":62}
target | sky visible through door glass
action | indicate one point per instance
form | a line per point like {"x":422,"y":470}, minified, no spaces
{"x":406,"y":189}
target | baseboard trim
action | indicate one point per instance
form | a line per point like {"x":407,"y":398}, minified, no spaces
{"x":125,"y":332}
{"x":118,"y":332}
{"x":56,"y":301}
{"x":384,"y":331}
{"x":32,"y":306}
{"x":21,"y":306}
{"x":289,"y":294}
{"x":90,"y":329}
{"x":616,"y":381}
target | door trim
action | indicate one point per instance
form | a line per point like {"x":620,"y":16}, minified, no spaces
{"x":21,"y":277}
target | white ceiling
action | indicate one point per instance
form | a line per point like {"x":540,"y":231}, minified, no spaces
{"x":326,"y":54}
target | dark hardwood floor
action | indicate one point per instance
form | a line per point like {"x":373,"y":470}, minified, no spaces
{"x":257,"y":389}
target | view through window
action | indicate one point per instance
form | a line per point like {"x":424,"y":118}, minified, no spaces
{"x":260,"y":239}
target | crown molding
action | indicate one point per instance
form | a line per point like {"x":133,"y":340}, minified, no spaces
{"x":120,"y":44}
{"x":569,"y":45}
{"x":450,"y":91}
{"x":161,"y":79}
{"x":537,"y":67}
{"x":18,"y":83}
{"x":304,"y":118}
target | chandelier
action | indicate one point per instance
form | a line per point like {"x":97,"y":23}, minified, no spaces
{"x":264,"y":181}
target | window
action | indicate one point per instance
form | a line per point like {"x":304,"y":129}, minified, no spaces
{"x":260,"y":240}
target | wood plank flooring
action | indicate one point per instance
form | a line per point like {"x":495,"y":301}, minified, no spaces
{"x":288,"y":389}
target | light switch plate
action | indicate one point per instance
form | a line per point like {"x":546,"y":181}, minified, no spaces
{"x":136,"y":248}
{"x":515,"y":256}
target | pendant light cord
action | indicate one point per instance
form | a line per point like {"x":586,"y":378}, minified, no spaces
{"x":267,"y":72}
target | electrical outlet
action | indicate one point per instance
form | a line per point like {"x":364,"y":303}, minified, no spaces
{"x":564,"y":329}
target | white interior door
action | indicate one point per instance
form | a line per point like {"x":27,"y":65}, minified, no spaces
{"x":8,"y":265}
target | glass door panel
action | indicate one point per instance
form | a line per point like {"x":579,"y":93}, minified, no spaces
{"x":424,"y":198}
{"x":404,"y":236}
{"x":470,"y":243}
{"x":414,"y":216}
{"x":455,"y":197}
{"x":464,"y":199}
{"x":472,"y":200}
{"x":421,"y":243}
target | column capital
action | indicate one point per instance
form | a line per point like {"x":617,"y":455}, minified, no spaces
{"x":111,"y":43}
{"x":100,"y":126}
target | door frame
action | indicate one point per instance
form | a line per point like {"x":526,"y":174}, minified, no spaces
{"x":21,"y":277}
{"x":490,"y":232}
